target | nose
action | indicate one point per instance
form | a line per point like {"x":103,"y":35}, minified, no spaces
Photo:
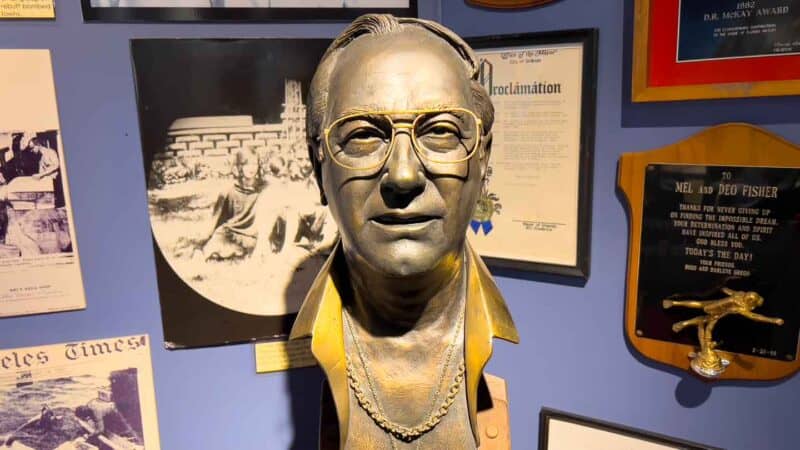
{"x":403,"y":171}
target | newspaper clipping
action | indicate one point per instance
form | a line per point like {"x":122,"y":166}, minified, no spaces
{"x":39,"y":265}
{"x":92,"y":395}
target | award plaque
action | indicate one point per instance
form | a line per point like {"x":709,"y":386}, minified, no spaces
{"x":714,"y":236}
{"x":702,"y":49}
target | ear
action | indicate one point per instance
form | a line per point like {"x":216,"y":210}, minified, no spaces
{"x":485,"y":153}
{"x":316,"y":154}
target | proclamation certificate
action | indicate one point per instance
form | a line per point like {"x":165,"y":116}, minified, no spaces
{"x":39,"y":264}
{"x":529,"y":207}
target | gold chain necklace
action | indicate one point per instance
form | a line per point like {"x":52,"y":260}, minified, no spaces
{"x":406,"y":434}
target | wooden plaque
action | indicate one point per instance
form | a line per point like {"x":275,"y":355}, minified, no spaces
{"x":716,"y":213}
{"x":506,"y":4}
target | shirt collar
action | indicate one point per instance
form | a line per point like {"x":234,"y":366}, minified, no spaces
{"x":320,"y":318}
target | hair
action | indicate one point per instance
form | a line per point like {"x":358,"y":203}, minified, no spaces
{"x":381,"y":25}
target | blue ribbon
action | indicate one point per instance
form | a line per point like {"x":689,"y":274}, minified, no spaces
{"x":476,"y":225}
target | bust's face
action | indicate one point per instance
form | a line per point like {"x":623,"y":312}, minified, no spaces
{"x":406,"y":217}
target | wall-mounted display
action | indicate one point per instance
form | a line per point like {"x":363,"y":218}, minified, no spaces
{"x":39,"y":264}
{"x":238,"y":226}
{"x":535,"y":210}
{"x":703,"y":49}
{"x":714,"y":236}
{"x":27,"y":9}
{"x":240,"y":10}
{"x":79,"y":395}
{"x":565,"y":431}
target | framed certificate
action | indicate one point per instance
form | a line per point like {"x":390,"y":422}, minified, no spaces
{"x":535,"y":209}
{"x":564,"y":431}
{"x":239,"y":10}
{"x":703,"y":49}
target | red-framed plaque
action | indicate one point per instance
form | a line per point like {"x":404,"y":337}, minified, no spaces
{"x":702,"y":49}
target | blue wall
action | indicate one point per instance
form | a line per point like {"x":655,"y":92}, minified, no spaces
{"x":573,"y":356}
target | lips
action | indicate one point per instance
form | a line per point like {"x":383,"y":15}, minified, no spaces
{"x":404,"y":219}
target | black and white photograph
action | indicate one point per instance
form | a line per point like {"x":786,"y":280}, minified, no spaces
{"x":240,"y":10}
{"x":39,"y":262}
{"x":237,"y":219}
{"x":90,"y":411}
{"x":91,"y":395}
{"x":33,"y":217}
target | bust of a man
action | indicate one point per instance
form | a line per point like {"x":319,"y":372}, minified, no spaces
{"x":402,"y":316}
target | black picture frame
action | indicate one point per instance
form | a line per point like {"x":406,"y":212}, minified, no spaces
{"x":225,"y":14}
{"x":589,"y":39}
{"x":546,"y":415}
{"x":237,"y":77}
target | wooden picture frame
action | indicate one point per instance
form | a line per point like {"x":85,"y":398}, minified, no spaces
{"x":236,"y":14}
{"x":509,"y":4}
{"x":658,"y":75}
{"x":529,"y":247}
{"x":602,"y":434}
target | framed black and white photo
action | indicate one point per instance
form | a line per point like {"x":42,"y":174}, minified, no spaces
{"x":535,"y":211}
{"x":240,"y":10}
{"x":564,"y":431}
{"x":238,"y":227}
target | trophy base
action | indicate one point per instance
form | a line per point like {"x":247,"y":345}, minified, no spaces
{"x":708,"y":364}
{"x":493,"y":419}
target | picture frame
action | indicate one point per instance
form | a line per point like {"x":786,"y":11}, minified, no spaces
{"x":543,"y":86}
{"x":701,"y":52}
{"x":235,"y":13}
{"x":509,"y":4}
{"x":560,"y":430}
{"x":217,"y":232}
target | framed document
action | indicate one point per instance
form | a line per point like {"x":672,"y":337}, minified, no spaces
{"x":535,"y":211}
{"x":703,"y":49}
{"x":240,"y":10}
{"x":564,"y":431}
{"x":714,"y":236}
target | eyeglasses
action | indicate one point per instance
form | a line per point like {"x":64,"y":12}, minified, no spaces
{"x":364,"y":140}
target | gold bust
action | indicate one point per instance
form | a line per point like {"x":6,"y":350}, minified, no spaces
{"x":402,"y":315}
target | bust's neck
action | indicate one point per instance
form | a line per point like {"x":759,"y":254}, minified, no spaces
{"x":392,"y":306}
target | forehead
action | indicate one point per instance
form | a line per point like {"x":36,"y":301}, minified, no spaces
{"x":407,"y":70}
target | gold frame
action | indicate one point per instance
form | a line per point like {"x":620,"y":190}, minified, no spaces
{"x":409,"y":129}
{"x":642,"y":92}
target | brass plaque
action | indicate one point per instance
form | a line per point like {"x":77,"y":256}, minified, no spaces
{"x":283,"y":355}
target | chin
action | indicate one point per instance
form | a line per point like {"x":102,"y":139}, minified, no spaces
{"x":406,"y":258}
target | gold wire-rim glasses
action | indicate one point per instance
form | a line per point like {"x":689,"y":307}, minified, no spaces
{"x":409,"y":127}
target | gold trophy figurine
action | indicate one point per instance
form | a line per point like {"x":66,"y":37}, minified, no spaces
{"x":708,"y":362}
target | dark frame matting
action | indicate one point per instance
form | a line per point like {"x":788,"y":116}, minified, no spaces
{"x":223,"y":14}
{"x":547,"y":414}
{"x":589,"y":39}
